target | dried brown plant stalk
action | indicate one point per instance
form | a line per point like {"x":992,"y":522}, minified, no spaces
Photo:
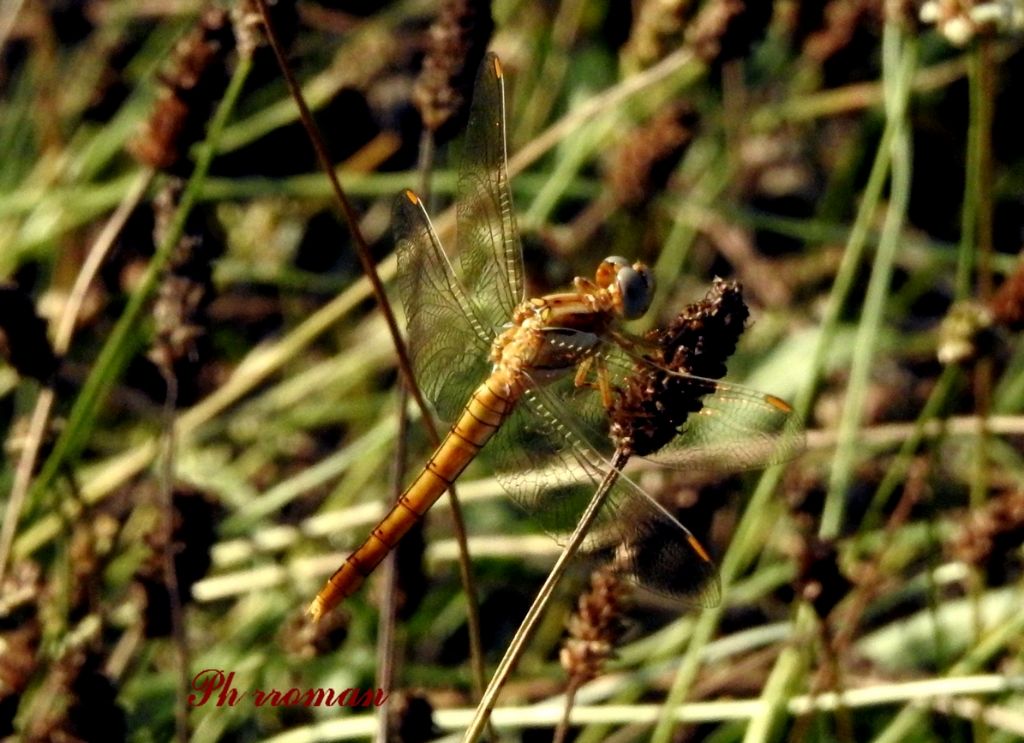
{"x":457,"y":43}
{"x":194,"y":83}
{"x":645,"y":160}
{"x":594,"y":630}
{"x":653,"y":405}
{"x":989,"y":535}
{"x":185,"y":292}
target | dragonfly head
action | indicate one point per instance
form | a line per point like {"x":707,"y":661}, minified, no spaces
{"x":632,"y":286}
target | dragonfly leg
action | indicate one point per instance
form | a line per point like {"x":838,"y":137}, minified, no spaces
{"x":582,"y":371}
{"x":631,"y":342}
{"x":603,"y":382}
{"x":584,"y":286}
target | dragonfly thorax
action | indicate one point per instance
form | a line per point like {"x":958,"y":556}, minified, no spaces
{"x":551,"y":335}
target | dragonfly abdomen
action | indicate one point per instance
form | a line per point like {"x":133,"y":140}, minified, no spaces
{"x":487,"y":408}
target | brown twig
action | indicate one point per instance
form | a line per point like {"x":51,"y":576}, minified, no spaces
{"x":170,"y":574}
{"x":517,"y":646}
{"x":366,"y":261}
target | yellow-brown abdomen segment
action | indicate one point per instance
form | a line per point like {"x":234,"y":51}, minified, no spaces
{"x":487,"y":408}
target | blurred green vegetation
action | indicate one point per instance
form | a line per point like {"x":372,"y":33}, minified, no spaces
{"x":857,"y":168}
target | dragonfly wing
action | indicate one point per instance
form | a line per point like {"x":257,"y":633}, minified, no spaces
{"x":736,"y":428}
{"x":548,"y":467}
{"x":488,"y":240}
{"x":449,"y":344}
{"x":733,"y":427}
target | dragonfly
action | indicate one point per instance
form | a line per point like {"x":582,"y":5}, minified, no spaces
{"x":532,"y":379}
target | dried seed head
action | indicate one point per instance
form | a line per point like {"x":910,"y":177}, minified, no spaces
{"x":248,"y":26}
{"x":726,"y":29}
{"x":840,"y":22}
{"x":647,"y":158}
{"x":20,"y":595}
{"x":961,"y":20}
{"x":595,"y":627}
{"x":192,"y":87}
{"x":657,"y":27}
{"x":90,"y":547}
{"x":653,"y":405}
{"x":458,"y":40}
{"x":21,"y":589}
{"x":185,"y":292}
{"x":721,"y":30}
{"x":19,"y":659}
{"x":991,"y":532}
{"x":190,"y":539}
{"x":704,"y":335}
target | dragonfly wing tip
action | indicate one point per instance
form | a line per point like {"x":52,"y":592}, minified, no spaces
{"x":779,"y":404}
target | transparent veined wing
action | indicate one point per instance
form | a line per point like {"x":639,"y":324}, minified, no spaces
{"x":736,"y":428}
{"x":729,"y":427}
{"x":453,"y":318}
{"x":545,"y":463}
{"x":448,"y":343}
{"x":489,"y":250}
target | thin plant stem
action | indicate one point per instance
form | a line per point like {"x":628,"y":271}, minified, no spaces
{"x":387,"y":621}
{"x":896,"y":472}
{"x":753,"y":519}
{"x":126,"y":334}
{"x":526,"y":628}
{"x":179,"y":633}
{"x":853,"y":97}
{"x":842,"y":286}
{"x":976,"y":239}
{"x":744,"y":547}
{"x":902,"y":65}
{"x":351,"y":219}
{"x":899,"y":58}
{"x":562,"y":730}
{"x":61,"y":342}
{"x":554,"y":55}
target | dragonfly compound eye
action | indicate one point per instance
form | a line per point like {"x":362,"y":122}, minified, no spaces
{"x":636,"y":289}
